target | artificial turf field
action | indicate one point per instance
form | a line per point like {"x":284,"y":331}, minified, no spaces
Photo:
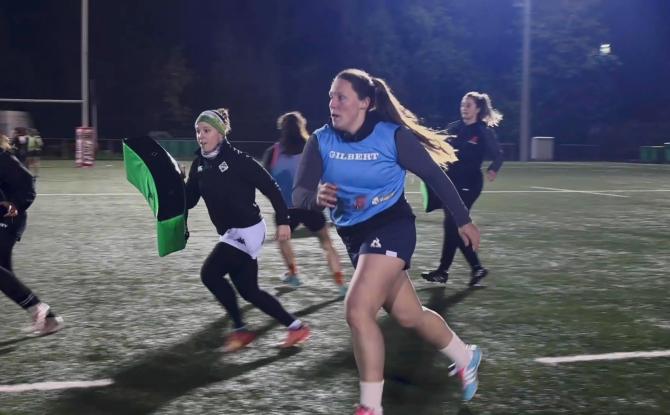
{"x":578,"y":254}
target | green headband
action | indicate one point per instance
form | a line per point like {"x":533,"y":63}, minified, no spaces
{"x":214,"y":119}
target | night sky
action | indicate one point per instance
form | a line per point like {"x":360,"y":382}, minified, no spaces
{"x":261,"y":58}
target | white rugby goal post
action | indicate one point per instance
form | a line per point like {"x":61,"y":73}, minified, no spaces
{"x":84,"y":101}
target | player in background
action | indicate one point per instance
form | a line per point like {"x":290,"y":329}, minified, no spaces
{"x":474,"y":139}
{"x":17,"y":193}
{"x":226,"y":179}
{"x":281,"y":160}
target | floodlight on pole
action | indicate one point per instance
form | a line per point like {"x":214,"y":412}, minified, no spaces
{"x":605,"y":49}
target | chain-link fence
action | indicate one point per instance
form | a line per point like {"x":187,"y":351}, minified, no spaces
{"x":111,"y":149}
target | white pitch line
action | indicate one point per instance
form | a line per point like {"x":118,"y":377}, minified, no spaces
{"x":50,"y":386}
{"x":87,"y":194}
{"x":604,"y":356}
{"x":630,"y":190}
{"x":548,"y":190}
{"x":597,"y":165}
{"x":576,"y":191}
{"x":597,"y":191}
{"x":504,"y":191}
{"x":554,"y":190}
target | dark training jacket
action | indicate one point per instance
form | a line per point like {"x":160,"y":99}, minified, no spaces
{"x":228,"y":185}
{"x":17,"y":185}
{"x":473,"y":143}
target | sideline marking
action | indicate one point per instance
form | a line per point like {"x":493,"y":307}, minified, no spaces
{"x":86,"y":194}
{"x":50,"y":386}
{"x":546,"y":190}
{"x":577,"y":191}
{"x":604,"y":356}
{"x":556,"y":190}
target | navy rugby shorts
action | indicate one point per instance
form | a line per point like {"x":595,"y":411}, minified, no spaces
{"x":314,"y":220}
{"x":394,"y":239}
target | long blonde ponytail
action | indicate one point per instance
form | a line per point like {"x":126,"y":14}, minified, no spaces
{"x":390,"y":109}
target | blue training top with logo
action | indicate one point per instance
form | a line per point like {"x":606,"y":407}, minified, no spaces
{"x":368,"y":177}
{"x":283,"y":168}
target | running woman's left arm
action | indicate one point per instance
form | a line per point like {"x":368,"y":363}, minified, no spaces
{"x":494,"y":151}
{"x":414,"y":157}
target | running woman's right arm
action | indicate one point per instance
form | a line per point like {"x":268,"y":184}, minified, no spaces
{"x":307,"y":178}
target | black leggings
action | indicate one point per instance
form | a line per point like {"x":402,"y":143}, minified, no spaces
{"x":9,"y":284}
{"x":452,"y":240}
{"x":243,"y":271}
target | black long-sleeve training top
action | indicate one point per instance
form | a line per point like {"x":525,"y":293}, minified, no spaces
{"x":473,"y":143}
{"x":412,"y":156}
{"x":228,"y":184}
{"x":16,"y":182}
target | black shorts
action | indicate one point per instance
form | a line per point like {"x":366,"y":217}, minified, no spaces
{"x":314,"y":220}
{"x":394,"y":239}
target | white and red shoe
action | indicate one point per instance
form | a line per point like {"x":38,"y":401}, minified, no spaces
{"x":44,"y":324}
{"x":296,"y":337}
{"x":364,"y":410}
{"x":237,"y":340}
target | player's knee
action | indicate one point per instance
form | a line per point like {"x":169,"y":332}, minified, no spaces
{"x":358,"y":315}
{"x":324,"y":237}
{"x":327,"y":246}
{"x":284,"y":244}
{"x":408,"y":320}
{"x":205,"y":278}
{"x":249,"y":294}
{"x":207,"y":275}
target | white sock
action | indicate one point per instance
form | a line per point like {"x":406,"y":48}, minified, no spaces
{"x":371,"y":395}
{"x":39,"y":309}
{"x":295,"y":325}
{"x":457,"y":352}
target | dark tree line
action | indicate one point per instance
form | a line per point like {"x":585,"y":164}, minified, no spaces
{"x":155,"y":65}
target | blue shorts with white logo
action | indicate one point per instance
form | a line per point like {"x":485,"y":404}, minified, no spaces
{"x":394,"y":239}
